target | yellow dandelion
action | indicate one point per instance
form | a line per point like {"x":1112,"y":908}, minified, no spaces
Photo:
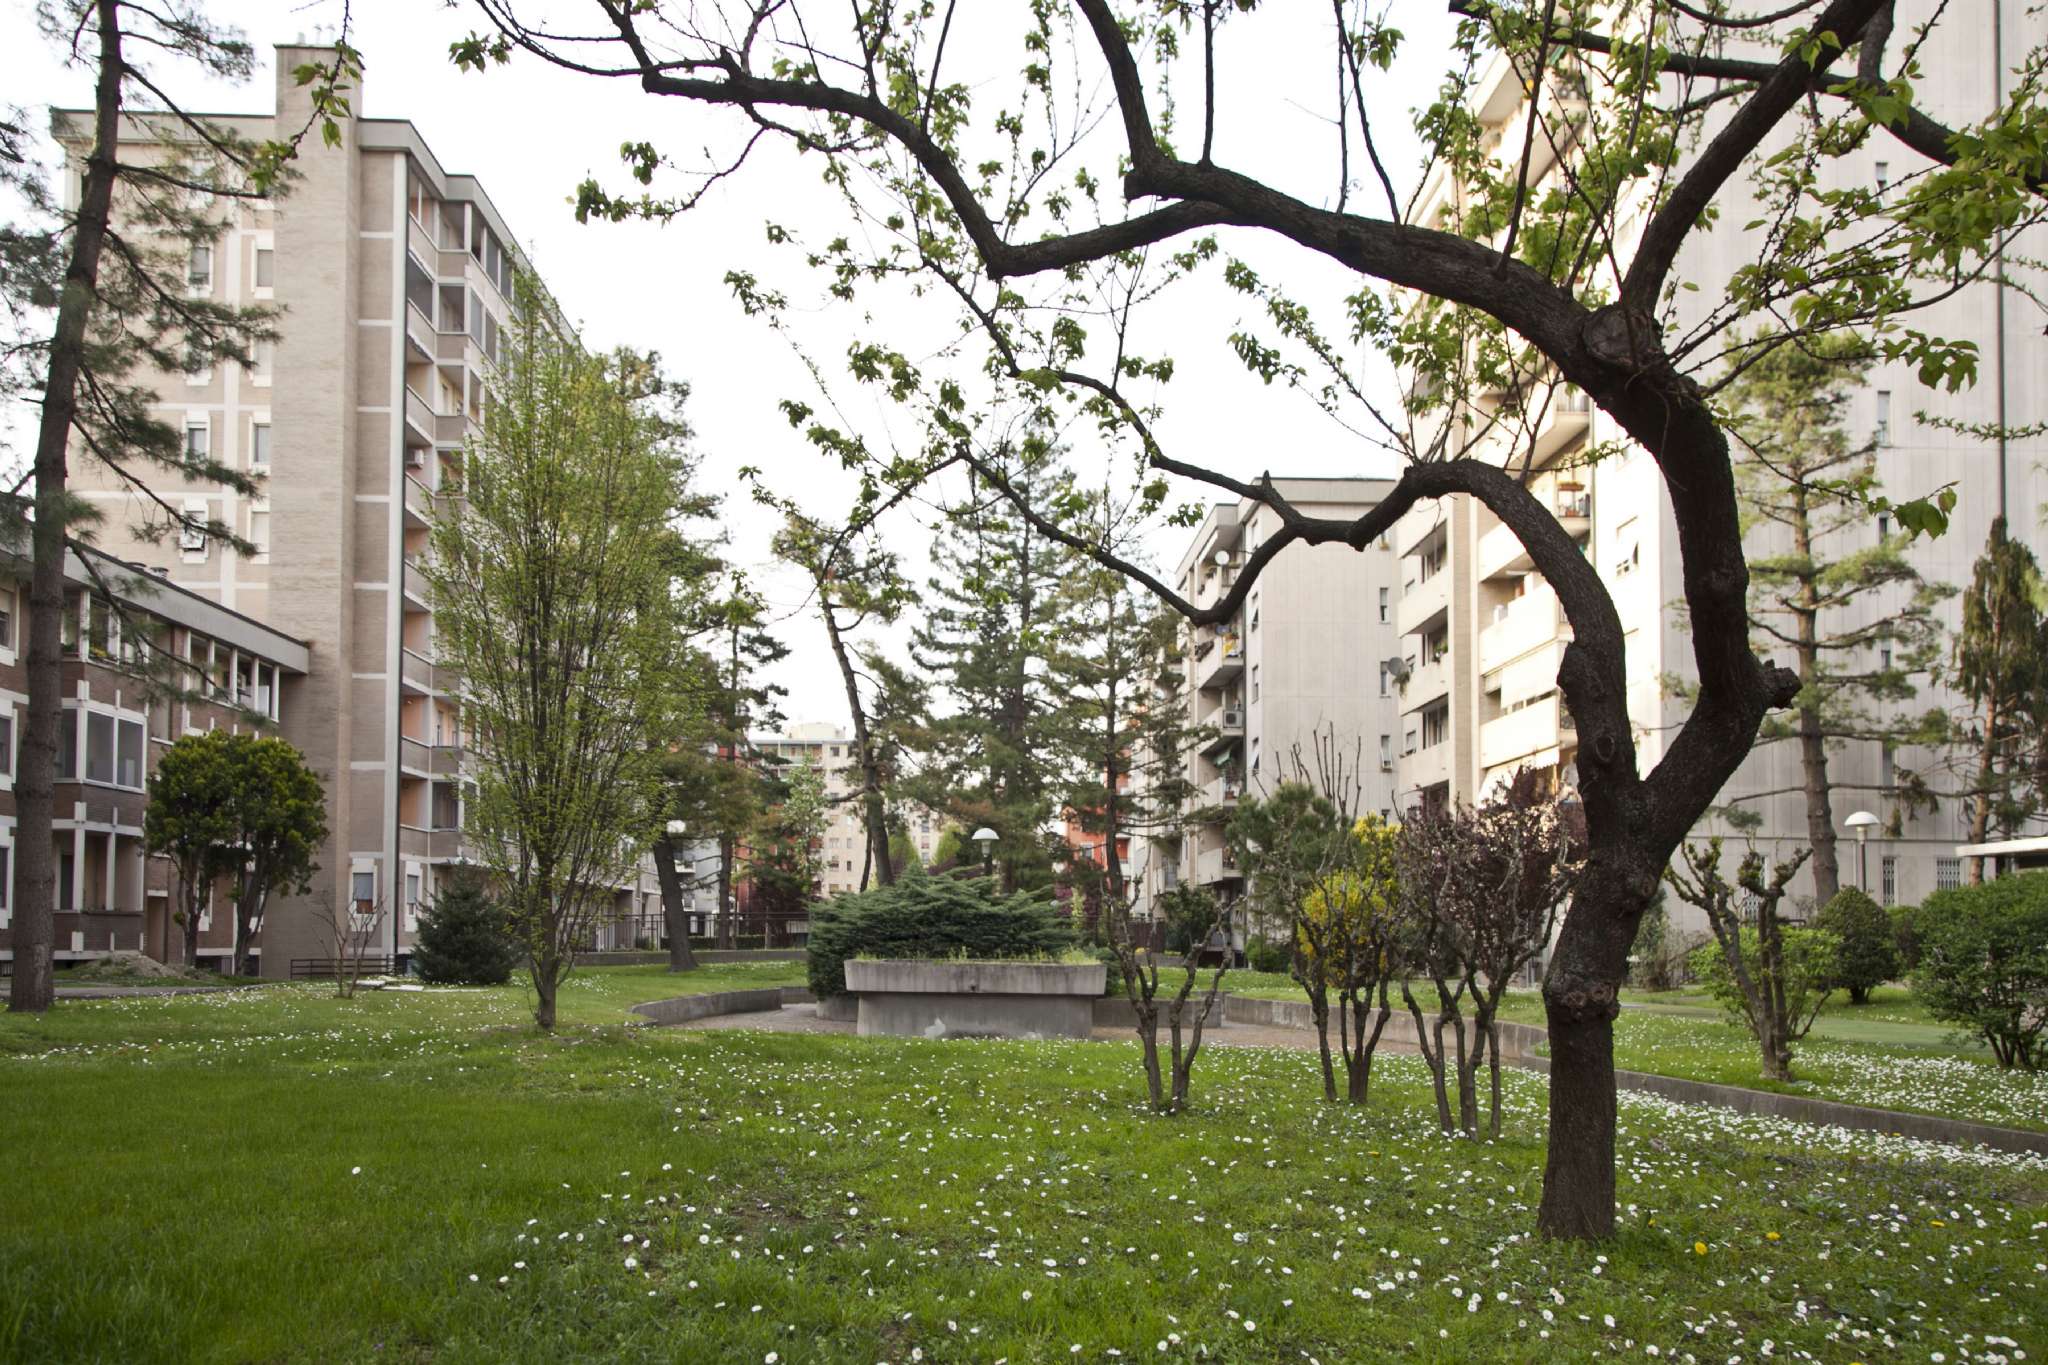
{"x":1770,"y":1237}
{"x":1699,"y":1248}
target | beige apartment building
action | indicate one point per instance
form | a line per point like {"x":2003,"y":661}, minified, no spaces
{"x":1482,"y":632}
{"x":1309,"y":654}
{"x":843,"y":847}
{"x":394,"y":278}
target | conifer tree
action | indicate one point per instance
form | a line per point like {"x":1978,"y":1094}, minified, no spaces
{"x":1817,"y":570}
{"x":2001,"y":666}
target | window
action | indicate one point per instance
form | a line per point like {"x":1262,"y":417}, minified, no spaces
{"x":1255,"y":682}
{"x":199,"y":266}
{"x":1883,"y":434}
{"x":1383,"y":603}
{"x":6,"y":878}
{"x":1884,"y":656}
{"x":266,"y":268}
{"x":363,"y":891}
{"x":67,"y":745}
{"x":1884,"y":528}
{"x":259,"y":529}
{"x":1889,"y":879}
{"x":1436,"y":726}
{"x":1386,"y":751}
{"x":99,"y":747}
{"x":198,"y":441}
{"x":1383,"y":680}
{"x":1408,"y":743}
{"x":128,"y":755}
{"x":67,"y":881}
{"x":263,"y":358}
{"x":1884,"y":174}
{"x":192,"y":529}
{"x":1948,"y":873}
{"x":1887,"y":778}
{"x":7,"y":745}
{"x":1253,"y":629}
{"x":412,"y":898}
{"x":6,"y":618}
{"x":259,"y":445}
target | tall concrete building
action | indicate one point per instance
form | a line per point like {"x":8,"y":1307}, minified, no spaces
{"x":843,"y":847}
{"x":1483,"y":632}
{"x":393,"y":276}
{"x":1306,"y":657}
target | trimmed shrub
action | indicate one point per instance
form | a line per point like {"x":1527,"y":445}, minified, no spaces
{"x":1984,"y":963}
{"x":1906,"y":937}
{"x":1267,"y":955}
{"x":1866,"y":958}
{"x":464,"y":939}
{"x":937,"y":917}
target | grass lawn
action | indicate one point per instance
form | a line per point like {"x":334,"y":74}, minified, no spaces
{"x":277,"y":1175}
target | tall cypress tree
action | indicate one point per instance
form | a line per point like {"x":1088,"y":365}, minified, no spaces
{"x":2001,"y":666}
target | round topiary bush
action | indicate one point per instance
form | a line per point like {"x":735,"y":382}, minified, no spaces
{"x":923,"y":916}
{"x":1984,"y":963}
{"x":1866,"y":957}
{"x":464,"y":939}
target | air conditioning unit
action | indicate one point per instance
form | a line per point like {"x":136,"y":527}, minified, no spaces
{"x":1386,"y":765}
{"x":415,"y":458}
{"x":1233,"y":716}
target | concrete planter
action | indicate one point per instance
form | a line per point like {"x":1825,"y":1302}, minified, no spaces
{"x":926,"y":999}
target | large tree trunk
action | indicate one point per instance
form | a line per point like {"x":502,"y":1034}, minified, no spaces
{"x":546,"y":983}
{"x":1319,"y":1010}
{"x":874,"y":815}
{"x":1980,"y":808}
{"x":248,"y":910}
{"x":673,"y":915}
{"x":35,"y":780}
{"x":726,"y":850}
{"x":1813,"y":750}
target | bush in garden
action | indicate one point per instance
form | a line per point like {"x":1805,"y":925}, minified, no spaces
{"x":930,"y":917}
{"x":1984,"y":963}
{"x":464,"y":939}
{"x":1867,"y":957}
{"x":1263,"y":954}
{"x":1906,"y":936}
{"x":1805,"y":963}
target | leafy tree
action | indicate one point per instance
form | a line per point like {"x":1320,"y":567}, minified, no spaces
{"x":279,"y":809}
{"x":554,"y":603}
{"x":920,"y":917}
{"x":1805,"y":494}
{"x":782,"y":869}
{"x":464,"y":938}
{"x":114,"y":266}
{"x":2001,"y":666}
{"x":744,"y":701}
{"x":191,"y":820}
{"x":1865,"y":955}
{"x":1984,"y":964}
{"x":994,"y":191}
{"x":1768,"y":977}
{"x":1348,"y":935}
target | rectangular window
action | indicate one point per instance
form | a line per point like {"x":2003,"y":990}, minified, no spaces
{"x":128,"y":755}
{"x":1948,"y":873}
{"x":1386,"y":751}
{"x":6,"y":876}
{"x":1884,"y":174}
{"x":1890,"y":880}
{"x":266,"y":268}
{"x":99,"y":747}
{"x":1883,"y":434}
{"x":7,"y":745}
{"x":6,"y":618}
{"x":67,"y":745}
{"x":364,"y":891}
{"x":199,"y":266}
{"x":67,"y":881}
{"x":198,"y":442}
{"x":1255,"y":682}
{"x":1887,"y":777}
{"x":1383,"y":603}
{"x":192,"y":530}
{"x":1383,"y":680}
{"x":259,"y":445}
{"x":1884,"y":528}
{"x":412,"y":897}
{"x":259,"y":530}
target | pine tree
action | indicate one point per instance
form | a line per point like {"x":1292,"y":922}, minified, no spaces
{"x":1816,"y":573}
{"x":2001,"y":666}
{"x":986,"y":640}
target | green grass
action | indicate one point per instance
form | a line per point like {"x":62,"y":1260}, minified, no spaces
{"x":282,"y":1176}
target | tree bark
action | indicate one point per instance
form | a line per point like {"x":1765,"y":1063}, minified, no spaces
{"x":726,"y":850}
{"x":35,"y":926}
{"x":1980,"y":809}
{"x":874,"y":815}
{"x":1578,"y":1167}
{"x":1813,"y":751}
{"x":674,"y":916}
{"x":248,"y":909}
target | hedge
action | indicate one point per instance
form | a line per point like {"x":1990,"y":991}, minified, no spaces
{"x":930,"y":917}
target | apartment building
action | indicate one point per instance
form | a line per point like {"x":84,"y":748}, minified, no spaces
{"x":144,"y":663}
{"x":394,"y":278}
{"x":1310,"y":654}
{"x":843,"y":847}
{"x":1483,"y":632}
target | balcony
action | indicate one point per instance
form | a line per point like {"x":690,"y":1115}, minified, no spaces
{"x":450,"y":428}
{"x":1222,"y":792}
{"x":1422,"y":604}
{"x":1527,"y":623}
{"x":1215,"y":865}
{"x":1426,"y":684}
{"x":446,"y":761}
{"x":419,"y":334}
{"x":413,"y":758}
{"x":416,"y":673}
{"x":421,"y":243}
{"x":1228,"y":723}
{"x":1529,"y":676}
{"x":1534,"y":732}
{"x":419,"y":502}
{"x":1423,"y":769}
{"x":413,"y":584}
{"x":419,"y":420}
{"x":1219,"y":660}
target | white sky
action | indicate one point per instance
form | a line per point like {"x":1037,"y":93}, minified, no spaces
{"x":530,"y":134}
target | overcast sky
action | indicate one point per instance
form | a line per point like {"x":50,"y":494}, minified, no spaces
{"x":530,"y":134}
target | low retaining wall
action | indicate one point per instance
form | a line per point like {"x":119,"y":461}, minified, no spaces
{"x":681,"y":1009}
{"x":1518,"y":1042}
{"x":931,"y":999}
{"x":641,"y":957}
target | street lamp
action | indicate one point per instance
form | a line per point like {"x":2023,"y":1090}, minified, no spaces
{"x":1862,"y":822}
{"x":986,"y":837}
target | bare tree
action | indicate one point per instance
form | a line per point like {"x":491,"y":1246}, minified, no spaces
{"x":347,"y":937}
{"x":1775,"y":982}
{"x":1196,"y":916}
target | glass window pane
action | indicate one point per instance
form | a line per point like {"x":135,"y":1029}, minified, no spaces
{"x":99,"y":747}
{"x":259,"y":444}
{"x":67,"y":745}
{"x":266,"y":268}
{"x":129,"y":757}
